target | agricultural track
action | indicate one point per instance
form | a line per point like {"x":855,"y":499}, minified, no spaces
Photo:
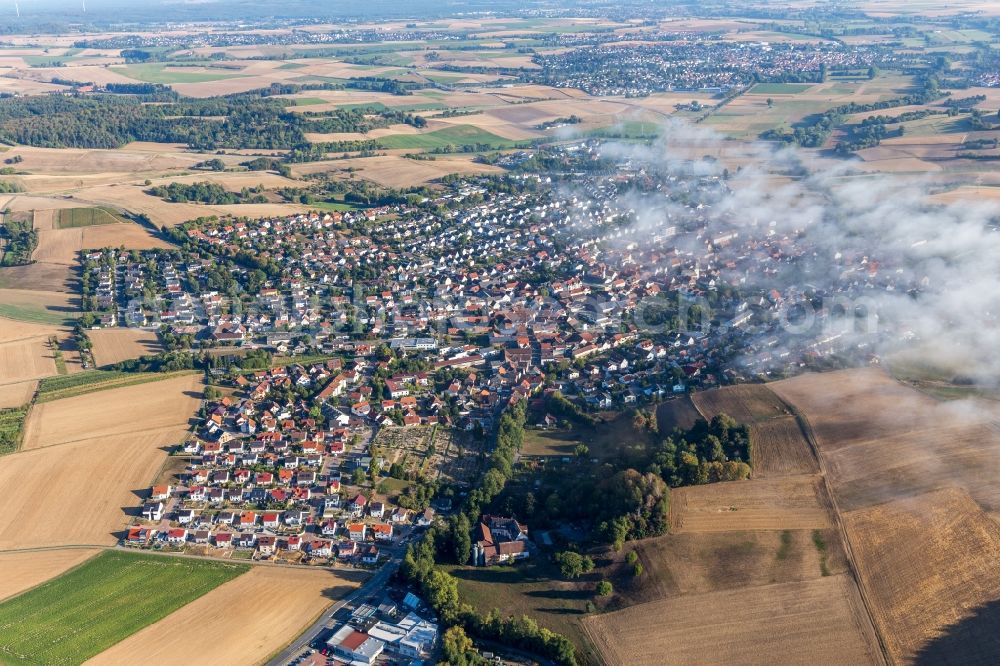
{"x":844,"y":537}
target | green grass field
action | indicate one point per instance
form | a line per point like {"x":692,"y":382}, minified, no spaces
{"x":68,"y":386}
{"x":307,"y":101}
{"x":71,"y":218}
{"x":460,"y":135}
{"x":531,"y":588}
{"x":780,"y":88}
{"x":11,"y":425}
{"x":627,"y":129}
{"x":36,"y":314}
{"x":158,"y":73}
{"x":444,"y":78}
{"x":106,"y":599}
{"x":338,"y":206}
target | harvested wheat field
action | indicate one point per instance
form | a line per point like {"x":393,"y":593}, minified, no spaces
{"x":926,"y":564}
{"x":78,"y":161}
{"x":679,"y":564}
{"x":265,"y":608}
{"x":880,"y":439}
{"x":54,"y":308}
{"x":24,"y":570}
{"x":17,"y":394}
{"x":112,"y":345}
{"x":747,"y":403}
{"x":26,"y":359}
{"x":911,"y":463}
{"x":791,"y":502}
{"x":155,"y":406}
{"x":60,"y":246}
{"x":811,"y":623}
{"x":12,"y":330}
{"x":780,"y":449}
{"x":398,"y":171}
{"x":76,"y":494}
{"x":135,"y":199}
{"x":850,"y":406}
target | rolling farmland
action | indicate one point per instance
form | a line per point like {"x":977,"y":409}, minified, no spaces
{"x":793,"y":502}
{"x":101,"y":602}
{"x":265,"y":608}
{"x":811,"y":622}
{"x":780,"y":449}
{"x":74,"y":494}
{"x":153,"y":406}
{"x":928,"y":563}
{"x":747,"y":403}
{"x":112,"y":345}
{"x":26,"y":569}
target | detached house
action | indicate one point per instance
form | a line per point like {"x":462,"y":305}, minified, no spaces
{"x":152,"y":510}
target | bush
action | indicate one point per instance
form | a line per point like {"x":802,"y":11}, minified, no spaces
{"x":604,"y":589}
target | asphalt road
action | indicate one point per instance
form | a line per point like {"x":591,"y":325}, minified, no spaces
{"x":326,"y":621}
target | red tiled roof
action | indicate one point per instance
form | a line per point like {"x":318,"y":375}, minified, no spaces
{"x":354,"y":641}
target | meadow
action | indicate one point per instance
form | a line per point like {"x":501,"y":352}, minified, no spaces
{"x":71,"y":218}
{"x":96,"y":605}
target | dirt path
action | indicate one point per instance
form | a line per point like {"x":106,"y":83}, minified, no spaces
{"x":845,"y":539}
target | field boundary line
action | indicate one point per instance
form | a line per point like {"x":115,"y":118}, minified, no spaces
{"x":807,"y":430}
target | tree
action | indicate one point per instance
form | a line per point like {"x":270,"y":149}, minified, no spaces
{"x":463,"y":540}
{"x":456,"y":646}
{"x":604,"y":589}
{"x":632,"y":557}
{"x":358,"y":476}
{"x":573,"y":565}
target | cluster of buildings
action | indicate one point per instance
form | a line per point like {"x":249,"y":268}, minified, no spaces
{"x":263,"y":474}
{"x":706,"y":65}
{"x":402,"y":631}
{"x":491,"y":294}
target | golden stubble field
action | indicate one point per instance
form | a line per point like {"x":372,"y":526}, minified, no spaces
{"x":240,"y":622}
{"x":61,"y":246}
{"x":912,"y":477}
{"x":77,"y":493}
{"x":398,"y":171}
{"x":112,"y":345}
{"x":813,"y":622}
{"x":791,"y":502}
{"x":24,"y":570}
{"x":157,"y":406}
{"x":929,"y":563}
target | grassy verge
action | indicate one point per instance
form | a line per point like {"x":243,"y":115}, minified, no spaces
{"x":57,"y":356}
{"x":68,"y":386}
{"x":108,"y":598}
